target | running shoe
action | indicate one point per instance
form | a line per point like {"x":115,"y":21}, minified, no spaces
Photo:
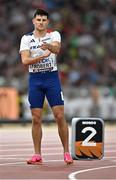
{"x":67,"y":158}
{"x":35,"y":160}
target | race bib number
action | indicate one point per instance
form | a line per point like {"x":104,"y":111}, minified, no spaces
{"x":44,"y":65}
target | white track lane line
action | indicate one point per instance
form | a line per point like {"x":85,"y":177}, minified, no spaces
{"x":27,"y":144}
{"x":54,"y":160}
{"x":13,"y":155}
{"x":9,"y":158}
{"x":45,"y":154}
{"x":28,"y":149}
{"x":73,"y":174}
{"x":17,"y":156}
{"x":48,"y":148}
{"x":23,"y":162}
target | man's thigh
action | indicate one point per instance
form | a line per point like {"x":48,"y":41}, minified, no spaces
{"x":55,"y":96}
{"x":36,"y":98}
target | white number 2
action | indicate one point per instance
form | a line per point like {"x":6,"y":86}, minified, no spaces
{"x":86,"y":141}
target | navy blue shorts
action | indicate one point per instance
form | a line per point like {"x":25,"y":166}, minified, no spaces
{"x":43,"y":84}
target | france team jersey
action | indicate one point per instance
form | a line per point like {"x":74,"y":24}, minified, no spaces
{"x":32,"y":43}
{"x":43,"y":76}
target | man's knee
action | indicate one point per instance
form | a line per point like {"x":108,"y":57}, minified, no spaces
{"x":59,"y":116}
{"x":36,"y":118}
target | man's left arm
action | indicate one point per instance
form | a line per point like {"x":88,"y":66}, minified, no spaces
{"x":54,"y":47}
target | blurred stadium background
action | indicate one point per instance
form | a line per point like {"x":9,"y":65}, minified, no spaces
{"x":87,"y":60}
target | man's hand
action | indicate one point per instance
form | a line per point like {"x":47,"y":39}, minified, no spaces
{"x":46,"y":54}
{"x":54,"y":47}
{"x":45,"y":46}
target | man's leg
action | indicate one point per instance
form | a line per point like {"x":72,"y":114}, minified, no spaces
{"x":36,"y":159}
{"x":36,"y":98}
{"x":58,"y":112}
{"x":36,"y":129}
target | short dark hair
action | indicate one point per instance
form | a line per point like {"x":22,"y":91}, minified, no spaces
{"x":41,"y":12}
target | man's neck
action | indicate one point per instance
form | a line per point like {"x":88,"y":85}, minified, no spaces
{"x":39,"y":34}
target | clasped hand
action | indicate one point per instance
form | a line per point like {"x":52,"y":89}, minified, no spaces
{"x":45,"y":46}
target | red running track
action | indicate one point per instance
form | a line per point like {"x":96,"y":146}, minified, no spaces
{"x":16,"y":146}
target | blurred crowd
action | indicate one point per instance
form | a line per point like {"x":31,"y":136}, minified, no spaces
{"x":88,"y":29}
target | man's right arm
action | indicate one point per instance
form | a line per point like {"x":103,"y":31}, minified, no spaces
{"x":28,"y":60}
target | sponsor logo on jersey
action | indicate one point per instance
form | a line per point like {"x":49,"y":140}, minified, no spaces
{"x":32,"y":40}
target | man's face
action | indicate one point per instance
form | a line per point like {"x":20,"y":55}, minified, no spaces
{"x":40,"y":22}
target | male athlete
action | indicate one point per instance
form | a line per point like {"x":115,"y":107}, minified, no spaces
{"x":38,"y":51}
